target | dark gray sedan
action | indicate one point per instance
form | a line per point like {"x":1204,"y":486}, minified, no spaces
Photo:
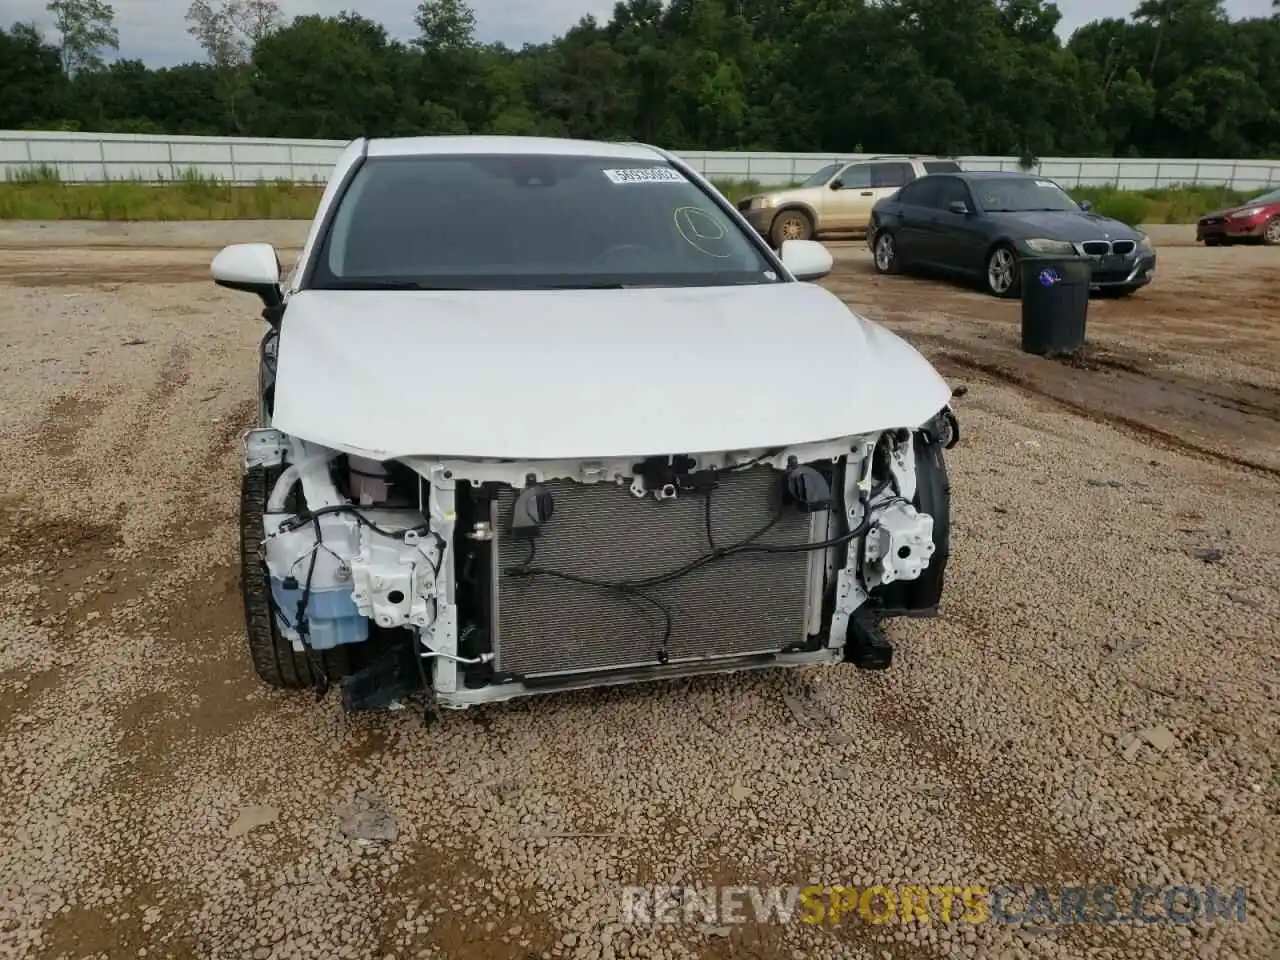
{"x":982,"y":225}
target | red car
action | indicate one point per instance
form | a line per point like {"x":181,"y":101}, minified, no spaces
{"x":1257,"y":220}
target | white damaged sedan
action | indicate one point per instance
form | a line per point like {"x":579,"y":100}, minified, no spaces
{"x":542,"y":414}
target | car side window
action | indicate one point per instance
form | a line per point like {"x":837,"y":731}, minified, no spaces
{"x":919,"y":193}
{"x":950,"y":190}
{"x":891,"y":174}
{"x":941,"y":166}
{"x":856,"y":176}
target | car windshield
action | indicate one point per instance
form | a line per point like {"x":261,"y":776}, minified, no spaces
{"x":1272,"y":196}
{"x":521,"y":222}
{"x":1020,"y":194}
{"x":822,"y":176}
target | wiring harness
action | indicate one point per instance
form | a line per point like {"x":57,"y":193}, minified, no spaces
{"x":638,"y":589}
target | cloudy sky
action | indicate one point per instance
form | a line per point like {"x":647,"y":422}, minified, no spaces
{"x":155,"y":31}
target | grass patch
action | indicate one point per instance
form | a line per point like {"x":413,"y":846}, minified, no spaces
{"x":39,"y":194}
{"x":735,"y":190}
{"x":1178,"y":203}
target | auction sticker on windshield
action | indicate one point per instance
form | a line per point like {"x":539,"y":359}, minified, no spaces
{"x":646,"y":175}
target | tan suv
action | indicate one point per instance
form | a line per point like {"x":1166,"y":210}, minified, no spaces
{"x":836,"y":199}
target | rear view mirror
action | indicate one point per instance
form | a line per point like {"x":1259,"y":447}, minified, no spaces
{"x":806,"y":259}
{"x":837,"y":184}
{"x":958,"y":206}
{"x":1086,"y":205}
{"x":252,"y":267}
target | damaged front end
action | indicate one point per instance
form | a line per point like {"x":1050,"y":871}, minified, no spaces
{"x":472,"y":581}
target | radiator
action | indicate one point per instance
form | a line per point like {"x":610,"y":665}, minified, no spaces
{"x":746,"y":604}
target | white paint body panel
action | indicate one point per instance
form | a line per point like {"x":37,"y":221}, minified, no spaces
{"x":591,"y":373}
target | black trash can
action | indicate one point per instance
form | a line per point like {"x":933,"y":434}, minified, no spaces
{"x":1055,"y":303}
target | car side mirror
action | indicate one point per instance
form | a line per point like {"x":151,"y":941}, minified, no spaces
{"x":1086,"y":205}
{"x":806,"y":259}
{"x":837,"y":184}
{"x":251,"y":267}
{"x":958,"y":206}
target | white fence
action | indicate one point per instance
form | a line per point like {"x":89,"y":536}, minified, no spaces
{"x":94,"y":157}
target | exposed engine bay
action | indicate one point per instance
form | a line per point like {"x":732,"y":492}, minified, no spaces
{"x":473,"y":581}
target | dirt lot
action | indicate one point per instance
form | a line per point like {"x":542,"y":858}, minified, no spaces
{"x":1096,"y":706}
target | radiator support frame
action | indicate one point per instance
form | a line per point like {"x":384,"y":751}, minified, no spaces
{"x":746,"y":605}
{"x":829,"y":578}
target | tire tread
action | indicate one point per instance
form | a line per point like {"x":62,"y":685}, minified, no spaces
{"x":274,"y":659}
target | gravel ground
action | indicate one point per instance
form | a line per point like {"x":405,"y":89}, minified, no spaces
{"x":157,"y":800}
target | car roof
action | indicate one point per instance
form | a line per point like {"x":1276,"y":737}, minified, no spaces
{"x":560,"y":146}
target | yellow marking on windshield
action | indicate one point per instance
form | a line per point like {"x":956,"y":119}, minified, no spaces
{"x":699,"y":229}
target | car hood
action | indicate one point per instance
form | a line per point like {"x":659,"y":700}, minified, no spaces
{"x":809,"y":195}
{"x":1227,"y":211}
{"x":1065,"y":225}
{"x":590,"y":373}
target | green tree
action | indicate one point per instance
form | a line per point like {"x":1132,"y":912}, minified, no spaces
{"x":577,"y":85}
{"x":363,"y":89}
{"x":86,"y":27}
{"x":451,"y":83}
{"x":228,"y":31}
{"x":709,"y":54}
{"x":33,"y":87}
{"x":445,"y":25}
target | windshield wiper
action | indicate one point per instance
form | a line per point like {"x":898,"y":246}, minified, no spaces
{"x":373,"y":284}
{"x":581,"y":286}
{"x":378,"y":284}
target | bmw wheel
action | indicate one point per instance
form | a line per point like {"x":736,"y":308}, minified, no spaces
{"x":1002,"y":272}
{"x":885,"y":253}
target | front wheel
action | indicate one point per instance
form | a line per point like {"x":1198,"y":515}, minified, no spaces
{"x":790,"y":225}
{"x":923,"y":596}
{"x":1271,"y":232}
{"x":1002,"y":272}
{"x":885,"y":253}
{"x":274,"y":659}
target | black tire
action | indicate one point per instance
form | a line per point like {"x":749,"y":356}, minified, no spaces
{"x":1271,"y":231}
{"x":790,"y":225}
{"x":1014,"y":288}
{"x":274,"y":659}
{"x":1212,"y":241}
{"x":922,"y":596}
{"x":885,"y":261}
